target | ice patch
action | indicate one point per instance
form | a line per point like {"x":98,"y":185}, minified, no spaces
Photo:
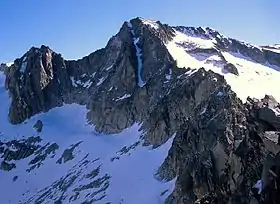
{"x":123,"y":97}
{"x":84,"y":84}
{"x":129,"y":24}
{"x":168,"y":76}
{"x":258,"y":185}
{"x":101,"y":81}
{"x":141,"y":83}
{"x":73,"y":82}
{"x":23,"y":67}
{"x":79,"y":82}
{"x":203,"y":111}
{"x":87,"y":84}
{"x":220,"y":93}
{"x":93,"y":74}
{"x":110,"y":67}
{"x":276,"y":111}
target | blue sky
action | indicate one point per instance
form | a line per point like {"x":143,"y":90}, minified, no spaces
{"x":76,"y":28}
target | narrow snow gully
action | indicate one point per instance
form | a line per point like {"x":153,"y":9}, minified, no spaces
{"x":141,"y":83}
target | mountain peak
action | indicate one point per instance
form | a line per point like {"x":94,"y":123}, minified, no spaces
{"x":147,"y":22}
{"x":152,"y":23}
{"x":41,"y":49}
{"x":184,"y":101}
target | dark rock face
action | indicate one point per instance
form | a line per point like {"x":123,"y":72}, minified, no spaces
{"x":3,"y":67}
{"x":67,"y":154}
{"x":174,"y":109}
{"x":268,"y":115}
{"x":195,"y":32}
{"x":219,"y":154}
{"x":34,"y":83}
{"x":5,"y":166}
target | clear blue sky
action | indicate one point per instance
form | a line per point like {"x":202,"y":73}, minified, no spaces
{"x":76,"y":28}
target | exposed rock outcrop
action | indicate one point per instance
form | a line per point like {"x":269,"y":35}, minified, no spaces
{"x":38,"y":126}
{"x":231,"y":68}
{"x":220,"y":153}
{"x":36,"y":83}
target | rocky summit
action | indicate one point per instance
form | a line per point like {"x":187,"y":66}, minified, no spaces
{"x":162,"y":114}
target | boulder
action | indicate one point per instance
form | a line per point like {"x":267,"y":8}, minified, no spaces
{"x":231,"y":68}
{"x":6,"y":166}
{"x":271,"y":141}
{"x":38,"y":126}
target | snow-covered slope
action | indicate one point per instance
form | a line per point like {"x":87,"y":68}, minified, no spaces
{"x":74,"y":163}
{"x":254,"y":79}
{"x":273,"y":48}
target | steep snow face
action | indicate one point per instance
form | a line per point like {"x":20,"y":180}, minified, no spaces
{"x":254,"y":79}
{"x":77,"y":164}
{"x":192,"y":41}
{"x":178,"y":52}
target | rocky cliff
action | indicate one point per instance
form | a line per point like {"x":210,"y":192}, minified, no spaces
{"x":178,"y":83}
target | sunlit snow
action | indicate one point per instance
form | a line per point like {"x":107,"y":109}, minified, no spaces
{"x":151,"y":23}
{"x":273,"y":49}
{"x":123,"y":97}
{"x":254,"y":80}
{"x":132,"y":173}
{"x":100,"y":81}
{"x":9,"y":64}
